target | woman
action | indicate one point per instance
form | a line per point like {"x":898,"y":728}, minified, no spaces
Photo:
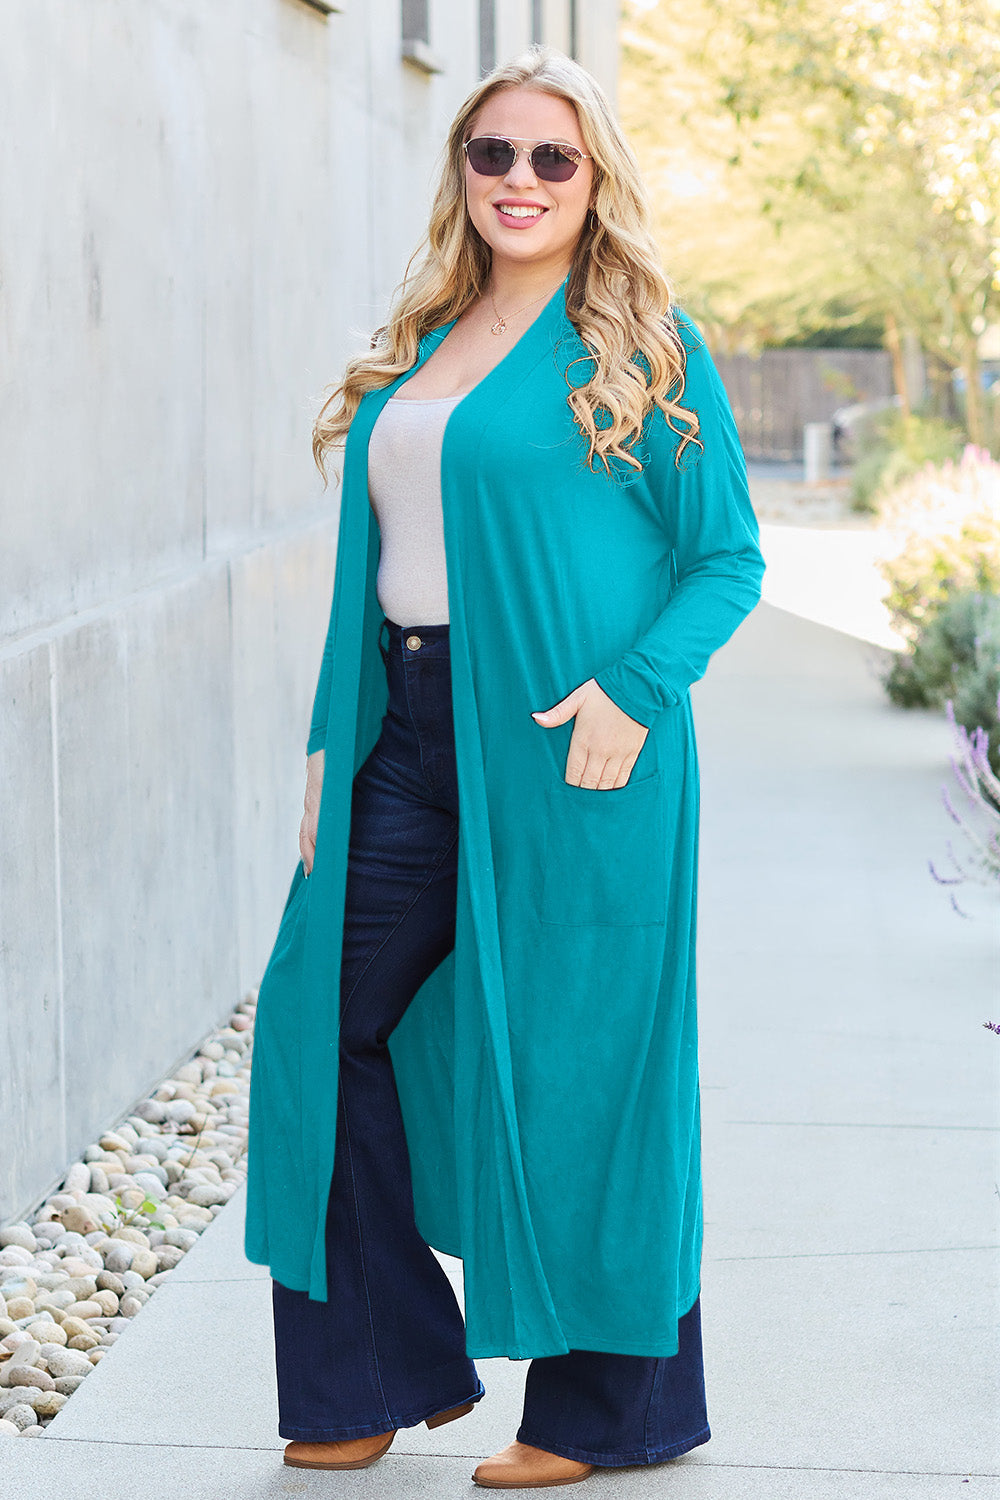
{"x":545,"y":512}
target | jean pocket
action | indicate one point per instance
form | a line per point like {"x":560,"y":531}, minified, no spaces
{"x":605,"y":855}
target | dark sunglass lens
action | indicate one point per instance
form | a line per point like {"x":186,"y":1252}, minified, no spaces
{"x":553,"y":164}
{"x":490,"y":157}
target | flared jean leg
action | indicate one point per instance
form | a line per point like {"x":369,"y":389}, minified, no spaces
{"x":387,"y":1349}
{"x":619,"y":1409}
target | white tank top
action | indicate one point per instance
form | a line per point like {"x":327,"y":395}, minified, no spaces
{"x":404,"y":490}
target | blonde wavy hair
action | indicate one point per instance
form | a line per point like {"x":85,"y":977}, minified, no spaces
{"x":618,"y":297}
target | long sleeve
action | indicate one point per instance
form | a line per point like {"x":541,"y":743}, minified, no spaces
{"x":710,"y":522}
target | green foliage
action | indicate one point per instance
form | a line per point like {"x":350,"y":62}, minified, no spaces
{"x":942,"y":527}
{"x":836,"y":326}
{"x":953,"y":657}
{"x":943,"y":571}
{"x":956,"y":657}
{"x":140,"y":1217}
{"x":977,"y":689}
{"x":803,"y":154}
{"x":892,"y":446}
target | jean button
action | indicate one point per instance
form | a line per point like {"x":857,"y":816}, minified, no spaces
{"x":414,"y":642}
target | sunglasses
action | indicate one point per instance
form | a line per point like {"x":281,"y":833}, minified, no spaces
{"x":551,"y":161}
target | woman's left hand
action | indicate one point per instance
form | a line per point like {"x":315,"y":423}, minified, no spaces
{"x":606,"y":741}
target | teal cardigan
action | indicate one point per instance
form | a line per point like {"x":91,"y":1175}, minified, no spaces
{"x":548,"y":1068}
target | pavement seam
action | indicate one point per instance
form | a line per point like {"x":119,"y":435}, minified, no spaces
{"x":862,"y":1125}
{"x":214,"y":1280}
{"x":844,"y":1254}
{"x":702,"y":1463}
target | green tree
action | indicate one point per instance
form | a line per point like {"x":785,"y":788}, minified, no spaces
{"x":814,"y":161}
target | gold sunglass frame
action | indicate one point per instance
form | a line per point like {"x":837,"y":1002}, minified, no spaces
{"x":574,"y":152}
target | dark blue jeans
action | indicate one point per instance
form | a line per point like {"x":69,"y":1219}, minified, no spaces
{"x":387,"y":1350}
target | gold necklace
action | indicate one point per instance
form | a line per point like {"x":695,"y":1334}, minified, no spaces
{"x":500,"y":326}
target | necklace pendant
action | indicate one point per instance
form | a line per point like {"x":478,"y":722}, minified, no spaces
{"x":499,"y":326}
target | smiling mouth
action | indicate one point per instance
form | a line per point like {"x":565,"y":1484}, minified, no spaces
{"x":510,"y":211}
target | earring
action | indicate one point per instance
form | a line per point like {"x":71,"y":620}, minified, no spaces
{"x":594,"y":221}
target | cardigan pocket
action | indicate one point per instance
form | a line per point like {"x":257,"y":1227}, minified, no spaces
{"x":605,"y":860}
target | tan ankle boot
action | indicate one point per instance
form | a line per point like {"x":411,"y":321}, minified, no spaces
{"x":521,"y":1467}
{"x":350,"y":1453}
{"x":357,"y":1453}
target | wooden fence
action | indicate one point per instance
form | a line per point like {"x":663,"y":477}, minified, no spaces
{"x":775,"y":394}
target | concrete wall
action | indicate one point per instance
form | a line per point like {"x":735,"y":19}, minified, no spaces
{"x":203,"y":210}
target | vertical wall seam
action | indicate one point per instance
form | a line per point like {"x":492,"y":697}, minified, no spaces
{"x":131,"y":935}
{"x":372,"y":258}
{"x":237,"y":831}
{"x":57,"y":892}
{"x":204,"y":424}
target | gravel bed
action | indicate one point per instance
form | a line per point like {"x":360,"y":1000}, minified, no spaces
{"x":87,"y":1261}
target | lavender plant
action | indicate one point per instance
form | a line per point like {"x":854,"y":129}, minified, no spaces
{"x":981,"y":825}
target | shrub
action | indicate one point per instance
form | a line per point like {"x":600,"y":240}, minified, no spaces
{"x":976,"y":693}
{"x":941,"y":559}
{"x":892,"y":447}
{"x":941,"y":535}
{"x":954,"y":656}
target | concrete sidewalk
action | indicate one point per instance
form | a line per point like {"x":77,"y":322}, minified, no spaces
{"x":849,"y":1108}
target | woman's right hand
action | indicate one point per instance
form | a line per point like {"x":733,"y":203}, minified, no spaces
{"x":310,"y":818}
